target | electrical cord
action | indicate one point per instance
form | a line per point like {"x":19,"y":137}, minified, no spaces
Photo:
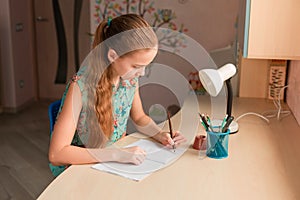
{"x":252,"y":113}
{"x":272,"y":113}
{"x":278,"y":112}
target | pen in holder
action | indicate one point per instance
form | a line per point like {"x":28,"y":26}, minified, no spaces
{"x":217,"y":143}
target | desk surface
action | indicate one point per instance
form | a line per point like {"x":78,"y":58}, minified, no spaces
{"x":263,"y":163}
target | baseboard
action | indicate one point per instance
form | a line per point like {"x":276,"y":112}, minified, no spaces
{"x":17,"y":109}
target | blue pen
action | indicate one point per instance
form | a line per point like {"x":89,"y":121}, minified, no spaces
{"x":223,"y":122}
{"x":204,"y":120}
{"x":203,"y":124}
{"x":208,"y":119}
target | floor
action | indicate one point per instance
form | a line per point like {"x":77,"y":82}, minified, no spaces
{"x":24,"y":142}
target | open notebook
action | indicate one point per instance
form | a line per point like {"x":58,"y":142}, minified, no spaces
{"x":157,"y":157}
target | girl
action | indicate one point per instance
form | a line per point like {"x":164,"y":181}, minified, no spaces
{"x":101,"y":96}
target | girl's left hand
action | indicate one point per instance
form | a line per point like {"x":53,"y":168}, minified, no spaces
{"x":165,"y":139}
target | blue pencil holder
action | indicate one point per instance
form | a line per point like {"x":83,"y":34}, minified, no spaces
{"x":217,"y":144}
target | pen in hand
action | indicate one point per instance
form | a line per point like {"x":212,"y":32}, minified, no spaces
{"x":171,"y":130}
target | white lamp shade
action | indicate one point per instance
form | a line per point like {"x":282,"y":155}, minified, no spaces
{"x":213,"y":80}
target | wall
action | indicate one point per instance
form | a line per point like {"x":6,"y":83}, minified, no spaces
{"x":19,"y":71}
{"x":1,"y":93}
{"x":293,"y":90}
{"x":212,"y":23}
{"x":7,"y":83}
{"x":209,"y":22}
{"x":17,"y":54}
{"x":23,"y":51}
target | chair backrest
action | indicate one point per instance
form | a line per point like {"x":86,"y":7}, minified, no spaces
{"x":52,"y":113}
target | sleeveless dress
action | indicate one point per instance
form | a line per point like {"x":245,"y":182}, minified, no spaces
{"x":122,"y":99}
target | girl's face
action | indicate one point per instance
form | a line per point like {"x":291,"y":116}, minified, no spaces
{"x":134,"y":64}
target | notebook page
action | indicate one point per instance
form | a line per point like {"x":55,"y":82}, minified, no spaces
{"x":157,"y":157}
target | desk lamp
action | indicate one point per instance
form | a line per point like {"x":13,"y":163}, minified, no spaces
{"x":213,"y":80}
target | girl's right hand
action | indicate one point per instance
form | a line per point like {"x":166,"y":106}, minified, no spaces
{"x":135,"y":155}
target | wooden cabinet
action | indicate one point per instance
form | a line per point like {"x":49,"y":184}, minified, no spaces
{"x":253,"y":74}
{"x":271,"y":29}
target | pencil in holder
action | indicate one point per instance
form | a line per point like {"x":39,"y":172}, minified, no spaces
{"x":217,"y":143}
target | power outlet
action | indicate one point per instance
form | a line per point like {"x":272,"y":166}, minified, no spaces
{"x":21,"y":83}
{"x":19,"y":27}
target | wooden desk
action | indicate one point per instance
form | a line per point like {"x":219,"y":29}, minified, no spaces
{"x":263,"y":163}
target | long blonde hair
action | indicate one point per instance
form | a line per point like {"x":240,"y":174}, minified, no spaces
{"x":125,"y":34}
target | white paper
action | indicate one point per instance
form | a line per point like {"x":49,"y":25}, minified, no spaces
{"x":157,"y":157}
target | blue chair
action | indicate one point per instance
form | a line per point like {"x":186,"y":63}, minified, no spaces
{"x":52,"y":113}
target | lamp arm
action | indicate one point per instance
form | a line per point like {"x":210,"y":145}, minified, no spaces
{"x":229,"y":97}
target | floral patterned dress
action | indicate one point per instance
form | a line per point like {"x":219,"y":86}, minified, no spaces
{"x":122,"y":99}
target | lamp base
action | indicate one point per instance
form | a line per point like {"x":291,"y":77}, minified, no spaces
{"x":233,"y":127}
